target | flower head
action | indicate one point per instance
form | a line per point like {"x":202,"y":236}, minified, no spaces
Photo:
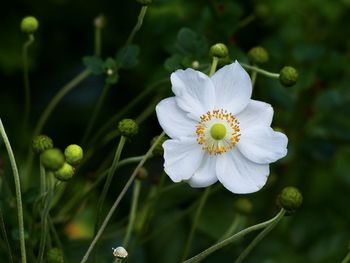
{"x":217,"y":131}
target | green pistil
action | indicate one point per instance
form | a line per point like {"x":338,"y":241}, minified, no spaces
{"x":218,"y":131}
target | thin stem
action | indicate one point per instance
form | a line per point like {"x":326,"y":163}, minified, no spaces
{"x":261,"y":71}
{"x":137,"y":26}
{"x":4,"y":233}
{"x":214,"y":65}
{"x":26,"y":78}
{"x":346,"y":259}
{"x":108,"y":182}
{"x":18,"y":192}
{"x":96,"y":112}
{"x":232,"y":228}
{"x":119,"y":198}
{"x":258,"y":238}
{"x":233,"y":238}
{"x":246,"y":21}
{"x":98,"y":40}
{"x":198,"y":213}
{"x":58,"y":97}
{"x":253,"y":76}
{"x":132,"y":216}
{"x":42,"y":180}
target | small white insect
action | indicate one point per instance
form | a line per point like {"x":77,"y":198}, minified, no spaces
{"x":120,"y":252}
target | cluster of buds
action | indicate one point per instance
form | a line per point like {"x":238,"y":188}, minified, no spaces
{"x":54,"y":160}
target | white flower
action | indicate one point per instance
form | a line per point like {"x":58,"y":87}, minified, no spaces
{"x":217,"y":131}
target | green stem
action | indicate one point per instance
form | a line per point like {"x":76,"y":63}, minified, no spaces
{"x":108,"y":182}
{"x":42,"y":180}
{"x":198,"y":213}
{"x":246,"y":21}
{"x":137,"y":26}
{"x":232,"y":228}
{"x":258,"y":238}
{"x":253,"y":76}
{"x":128,"y":107}
{"x":132,"y":216}
{"x":4,"y":234}
{"x":26,"y":78}
{"x":18,"y":192}
{"x":96,"y":112}
{"x":214,"y":65}
{"x":233,"y":238}
{"x":346,"y":259}
{"x":119,"y":198}
{"x":98,"y":40}
{"x":261,"y":71}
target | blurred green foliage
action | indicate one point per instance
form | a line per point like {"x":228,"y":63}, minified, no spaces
{"x":311,"y":35}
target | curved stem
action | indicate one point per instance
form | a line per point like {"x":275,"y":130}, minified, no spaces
{"x":96,"y":112}
{"x":109,"y":179}
{"x":214,"y":65}
{"x":198,"y":213}
{"x":26,"y":78}
{"x":346,"y":259}
{"x":233,"y":238}
{"x":18,"y":192}
{"x":137,"y":26}
{"x":132,"y":216}
{"x":119,"y":198}
{"x":258,"y":238}
{"x":58,"y":97}
{"x":261,"y":71}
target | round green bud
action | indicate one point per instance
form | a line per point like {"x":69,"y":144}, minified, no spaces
{"x":65,"y":173}
{"x":218,"y":50}
{"x":288,"y":76}
{"x":29,"y":24}
{"x":55,"y":255}
{"x":128,"y":128}
{"x":74,"y":154}
{"x":158,"y":149}
{"x":258,"y":55}
{"x":41,"y":143}
{"x":52,"y":159}
{"x":144,"y":2}
{"x":243,"y":206}
{"x":100,"y":21}
{"x":142,"y":174}
{"x":290,"y":199}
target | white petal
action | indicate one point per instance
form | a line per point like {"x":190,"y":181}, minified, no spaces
{"x":173,"y":120}
{"x":263,"y":144}
{"x":194,"y":92}
{"x":206,"y":173}
{"x":182,"y":158}
{"x":240,"y":175}
{"x":233,"y":88}
{"x":257,"y":113}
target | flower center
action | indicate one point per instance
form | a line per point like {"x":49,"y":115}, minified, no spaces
{"x":218,"y":131}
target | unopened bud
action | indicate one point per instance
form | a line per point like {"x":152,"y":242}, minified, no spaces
{"x":42,"y":143}
{"x":29,"y":24}
{"x":74,"y":154}
{"x":65,"y":173}
{"x":288,"y":76}
{"x":218,"y":50}
{"x":52,"y":159}
{"x":128,"y":128}
{"x":290,"y":199}
{"x":258,"y":55}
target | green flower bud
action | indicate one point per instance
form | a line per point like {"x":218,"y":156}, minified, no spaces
{"x":218,"y":50}
{"x":243,"y":206}
{"x":144,"y":2}
{"x":100,"y":21}
{"x":74,"y":154}
{"x":29,"y":24}
{"x":288,"y":76}
{"x":158,"y":149}
{"x":128,"y":128}
{"x":290,"y":199}
{"x":41,"y":143}
{"x":54,"y":255}
{"x":258,"y":55}
{"x":52,"y":159}
{"x":224,"y":61}
{"x":142,"y":174}
{"x":65,"y":173}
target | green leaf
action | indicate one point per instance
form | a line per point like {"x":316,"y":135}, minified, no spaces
{"x":128,"y":56}
{"x":113,"y":79}
{"x":190,"y":43}
{"x":94,"y":64}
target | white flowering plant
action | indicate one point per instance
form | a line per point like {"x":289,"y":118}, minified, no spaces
{"x":175,"y":147}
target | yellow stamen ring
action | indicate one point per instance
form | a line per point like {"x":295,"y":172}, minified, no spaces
{"x":218,"y":131}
